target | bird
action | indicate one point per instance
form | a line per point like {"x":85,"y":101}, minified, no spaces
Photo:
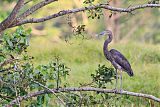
{"x":117,"y":59}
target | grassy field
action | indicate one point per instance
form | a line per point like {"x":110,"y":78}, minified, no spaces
{"x":83,"y":57}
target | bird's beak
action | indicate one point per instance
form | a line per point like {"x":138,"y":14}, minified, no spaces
{"x":101,"y":34}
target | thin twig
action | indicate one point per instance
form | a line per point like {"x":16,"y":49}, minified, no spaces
{"x":6,"y":97}
{"x":8,"y":61}
{"x":50,"y":91}
{"x":16,"y":91}
{"x":6,"y":69}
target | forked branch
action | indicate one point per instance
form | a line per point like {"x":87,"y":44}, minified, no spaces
{"x":33,"y":9}
{"x":12,"y":20}
{"x":103,"y":6}
{"x":8,"y":21}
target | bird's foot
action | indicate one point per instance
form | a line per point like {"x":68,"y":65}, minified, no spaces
{"x":121,"y":90}
{"x":117,"y":90}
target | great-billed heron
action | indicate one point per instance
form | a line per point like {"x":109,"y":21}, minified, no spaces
{"x":115,"y":57}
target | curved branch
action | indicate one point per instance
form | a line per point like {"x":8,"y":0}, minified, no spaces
{"x":20,"y":98}
{"x":33,"y":9}
{"x":104,"y":6}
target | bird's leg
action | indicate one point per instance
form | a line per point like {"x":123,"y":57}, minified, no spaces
{"x":116,"y":80}
{"x":121,"y":82}
{"x":115,"y":89}
{"x":120,"y":85}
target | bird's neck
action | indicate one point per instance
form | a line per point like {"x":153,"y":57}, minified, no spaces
{"x":107,"y":41}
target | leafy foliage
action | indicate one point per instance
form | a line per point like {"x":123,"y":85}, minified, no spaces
{"x":96,"y":13}
{"x":17,"y":42}
{"x":103,"y":76}
{"x":79,"y":30}
{"x":18,"y":74}
{"x":89,"y":99}
{"x":88,"y":1}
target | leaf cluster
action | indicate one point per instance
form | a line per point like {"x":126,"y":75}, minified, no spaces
{"x":19,"y":76}
{"x":96,"y":13}
{"x":103,"y":76}
{"x":79,"y":30}
{"x":88,"y":1}
{"x":88,"y":99}
{"x":16,"y":42}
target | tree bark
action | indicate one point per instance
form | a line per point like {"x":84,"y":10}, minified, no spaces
{"x":13,"y":20}
{"x":82,"y":89}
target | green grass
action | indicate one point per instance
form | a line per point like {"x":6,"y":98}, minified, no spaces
{"x":83,"y":57}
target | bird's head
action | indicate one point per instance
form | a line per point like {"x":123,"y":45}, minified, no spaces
{"x":103,"y":33}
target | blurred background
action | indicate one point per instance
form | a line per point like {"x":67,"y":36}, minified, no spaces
{"x":136,"y":35}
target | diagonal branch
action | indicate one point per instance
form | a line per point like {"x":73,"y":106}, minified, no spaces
{"x":8,"y":21}
{"x":50,"y":91}
{"x":73,"y":89}
{"x":33,"y":9}
{"x":103,"y":6}
{"x":8,"y":61}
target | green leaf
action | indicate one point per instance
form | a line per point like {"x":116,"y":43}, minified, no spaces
{"x":46,"y":100}
{"x":40,"y":100}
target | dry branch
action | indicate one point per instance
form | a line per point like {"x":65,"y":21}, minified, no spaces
{"x":8,"y":21}
{"x":33,"y":9}
{"x":65,"y":12}
{"x":20,"y":98}
{"x":8,"y":61}
{"x":50,"y":91}
{"x":14,"y":20}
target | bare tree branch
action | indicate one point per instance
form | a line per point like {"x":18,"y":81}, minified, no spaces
{"x":8,"y":21}
{"x":50,"y":91}
{"x":8,"y":61}
{"x":33,"y":9}
{"x":12,"y":21}
{"x":20,"y":98}
{"x":65,"y":12}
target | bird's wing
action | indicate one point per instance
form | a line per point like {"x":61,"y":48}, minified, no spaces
{"x":122,"y":61}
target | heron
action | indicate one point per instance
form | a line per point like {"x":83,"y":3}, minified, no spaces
{"x":118,"y":60}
